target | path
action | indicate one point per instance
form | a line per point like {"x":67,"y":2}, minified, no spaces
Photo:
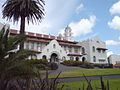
{"x":73,"y":79}
{"x":62,"y":68}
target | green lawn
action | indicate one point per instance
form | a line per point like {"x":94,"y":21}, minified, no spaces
{"x":87,"y":72}
{"x":113,"y":83}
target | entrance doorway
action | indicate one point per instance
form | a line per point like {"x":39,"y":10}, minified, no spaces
{"x":83,"y":59}
{"x":54,"y":58}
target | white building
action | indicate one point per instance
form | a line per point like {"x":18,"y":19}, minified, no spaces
{"x":95,"y":51}
{"x":55,"y":49}
{"x":60,"y":48}
{"x":114,"y":59}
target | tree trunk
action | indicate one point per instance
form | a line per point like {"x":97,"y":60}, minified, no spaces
{"x":22,"y":31}
{"x":29,"y":83}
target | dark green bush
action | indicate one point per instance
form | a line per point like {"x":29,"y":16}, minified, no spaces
{"x":88,"y":66}
{"x":41,"y":66}
{"x":104,"y":65}
{"x":53,"y":66}
{"x":73,"y":63}
{"x":39,"y":61}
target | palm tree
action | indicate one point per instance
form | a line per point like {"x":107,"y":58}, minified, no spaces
{"x":30,"y":10}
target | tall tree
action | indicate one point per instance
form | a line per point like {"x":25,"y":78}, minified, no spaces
{"x":14,"y":63}
{"x":30,"y":10}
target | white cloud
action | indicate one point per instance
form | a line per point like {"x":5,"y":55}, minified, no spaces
{"x":79,"y":8}
{"x":115,"y":9}
{"x":84,"y":26}
{"x":115,"y":23}
{"x":55,"y":17}
{"x":119,"y":37}
{"x":109,"y":53}
{"x":112,"y":42}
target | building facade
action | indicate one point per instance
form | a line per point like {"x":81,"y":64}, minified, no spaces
{"x":95,"y":51}
{"x":62,"y":47}
{"x":52,"y":48}
{"x":114,"y":59}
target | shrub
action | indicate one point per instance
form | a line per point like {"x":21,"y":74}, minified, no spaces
{"x":39,"y":61}
{"x":88,"y":66}
{"x":104,"y":65}
{"x":53,"y":66}
{"x":110,"y":65}
{"x":41,"y":66}
{"x":73,"y":63}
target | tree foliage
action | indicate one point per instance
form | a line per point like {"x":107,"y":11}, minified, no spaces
{"x":14,"y":63}
{"x":30,"y":10}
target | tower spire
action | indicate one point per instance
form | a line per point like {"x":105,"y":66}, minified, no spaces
{"x":68,"y":33}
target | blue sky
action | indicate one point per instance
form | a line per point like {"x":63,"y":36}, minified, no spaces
{"x":87,"y":18}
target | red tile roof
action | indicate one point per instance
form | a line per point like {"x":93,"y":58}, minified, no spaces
{"x":37,"y":40}
{"x":38,"y":35}
{"x":30,"y":34}
{"x":45,"y":38}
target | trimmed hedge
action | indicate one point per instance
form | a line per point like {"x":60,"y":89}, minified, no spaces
{"x":53,"y":66}
{"x":73,"y":63}
{"x":39,"y":61}
{"x":88,"y":66}
{"x":43,"y":64}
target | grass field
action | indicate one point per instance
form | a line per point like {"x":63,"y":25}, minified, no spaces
{"x":87,"y":72}
{"x":113,"y":83}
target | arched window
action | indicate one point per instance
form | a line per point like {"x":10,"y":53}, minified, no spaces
{"x":47,"y":50}
{"x":71,"y":58}
{"x":77,"y":58}
{"x":94,"y":59}
{"x":44,"y":57}
{"x":93,"y":48}
{"x":83,"y":59}
{"x":54,"y":46}
{"x":63,"y":58}
{"x":83,"y":50}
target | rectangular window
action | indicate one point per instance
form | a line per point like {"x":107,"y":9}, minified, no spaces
{"x":103,"y":51}
{"x":76,"y":50}
{"x":32,"y":45}
{"x":99,"y":51}
{"x":27,"y":45}
{"x":65,"y":48}
{"x":38,"y":47}
{"x":70,"y":49}
{"x":101,"y":60}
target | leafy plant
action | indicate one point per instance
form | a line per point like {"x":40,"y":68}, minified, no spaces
{"x":14,"y":63}
{"x":74,"y":63}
